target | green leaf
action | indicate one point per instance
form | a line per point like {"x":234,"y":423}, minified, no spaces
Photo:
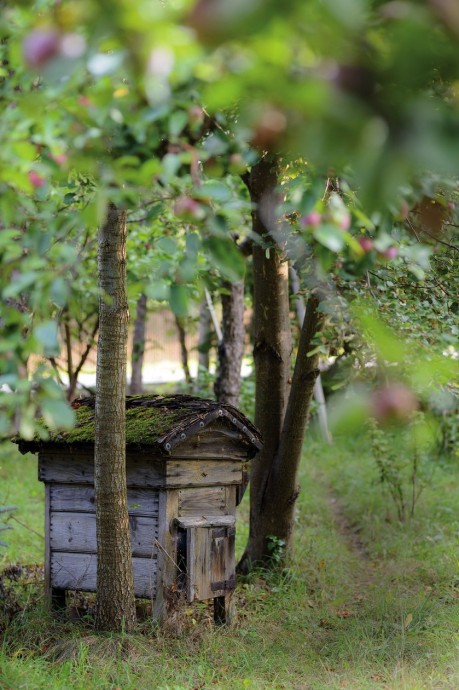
{"x":226,"y":256}
{"x":330,"y":237}
{"x":215,"y":190}
{"x":177,"y":122}
{"x":46,"y":334}
{"x":58,"y":414}
{"x":178,"y":298}
{"x":19,"y":284}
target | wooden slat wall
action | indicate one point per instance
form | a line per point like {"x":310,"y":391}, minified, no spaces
{"x":76,"y":468}
{"x":206,"y":500}
{"x":79,"y":571}
{"x":182,"y":473}
{"x":76,"y":532}
{"x":142,"y":472}
{"x":81,"y":499}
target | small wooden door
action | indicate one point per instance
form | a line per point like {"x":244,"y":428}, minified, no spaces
{"x":206,"y":555}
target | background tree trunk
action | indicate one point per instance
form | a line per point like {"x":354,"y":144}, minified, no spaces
{"x":272,"y":347}
{"x":231,"y":349}
{"x":115,"y":585}
{"x":204,"y":336}
{"x":138,"y":346}
{"x":183,"y":349}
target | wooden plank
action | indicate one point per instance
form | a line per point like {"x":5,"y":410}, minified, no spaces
{"x":183,"y":473}
{"x":198,"y":564}
{"x":213,"y":445}
{"x":48,"y":592}
{"x":76,"y":532}
{"x":142,"y":470}
{"x":211,"y":521}
{"x":231,"y":499}
{"x":81,"y":499}
{"x":167,"y":553}
{"x":206,"y":500}
{"x":210,"y":558}
{"x":79,"y":572}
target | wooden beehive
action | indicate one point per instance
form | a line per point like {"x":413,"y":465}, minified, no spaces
{"x":184,"y":462}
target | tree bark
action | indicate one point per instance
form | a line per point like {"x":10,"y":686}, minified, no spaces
{"x":281,"y":489}
{"x":231,"y":349}
{"x":115,"y":585}
{"x":272,"y":349}
{"x":183,"y":349}
{"x":138,"y":346}
{"x":204,"y":336}
{"x":319,"y":396}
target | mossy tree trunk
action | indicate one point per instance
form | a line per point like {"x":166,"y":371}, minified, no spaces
{"x":115,"y":584}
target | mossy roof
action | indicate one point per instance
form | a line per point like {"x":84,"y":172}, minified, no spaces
{"x":155,"y":421}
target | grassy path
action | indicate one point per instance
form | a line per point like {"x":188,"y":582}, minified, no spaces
{"x":366,"y":603}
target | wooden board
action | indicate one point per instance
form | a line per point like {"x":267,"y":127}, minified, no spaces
{"x":183,"y":473}
{"x":79,"y":571}
{"x":214,"y":444}
{"x":210,"y":562}
{"x":81,"y":499}
{"x":142,"y":471}
{"x":206,"y":500}
{"x":167,"y":553}
{"x":76,"y":532}
{"x":74,"y":468}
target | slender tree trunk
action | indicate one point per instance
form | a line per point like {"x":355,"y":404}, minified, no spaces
{"x":138,"y":346}
{"x":281,"y":490}
{"x":204,"y":336}
{"x":319,"y":396}
{"x":231,"y":349}
{"x":183,"y":349}
{"x":115,"y":586}
{"x":272,"y":348}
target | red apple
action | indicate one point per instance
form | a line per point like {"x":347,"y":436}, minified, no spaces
{"x":188,"y":209}
{"x":36,"y":179}
{"x":40,"y":46}
{"x":395,"y":402}
{"x":366,"y":244}
{"x":312,"y":219}
{"x":391,"y":253}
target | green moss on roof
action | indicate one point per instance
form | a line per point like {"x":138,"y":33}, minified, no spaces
{"x":154,"y":420}
{"x":144,"y":425}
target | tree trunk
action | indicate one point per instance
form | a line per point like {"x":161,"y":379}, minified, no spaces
{"x":204,"y":336}
{"x":272,"y":349}
{"x":281,"y":489}
{"x":183,"y":349}
{"x":274,"y":490}
{"x":319,"y":396}
{"x":115,"y":586}
{"x":231,"y":349}
{"x":138,"y":346}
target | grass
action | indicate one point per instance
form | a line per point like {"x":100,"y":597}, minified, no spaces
{"x":365,"y":603}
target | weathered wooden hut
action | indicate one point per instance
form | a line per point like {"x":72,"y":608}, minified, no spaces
{"x":184,"y":462}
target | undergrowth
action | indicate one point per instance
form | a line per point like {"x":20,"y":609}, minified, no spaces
{"x":365,"y":601}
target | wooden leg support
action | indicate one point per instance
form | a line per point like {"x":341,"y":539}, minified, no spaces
{"x":223,"y":610}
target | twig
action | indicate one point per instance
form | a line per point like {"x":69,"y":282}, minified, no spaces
{"x":26,"y":526}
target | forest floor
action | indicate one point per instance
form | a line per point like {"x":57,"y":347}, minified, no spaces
{"x":366,"y":602}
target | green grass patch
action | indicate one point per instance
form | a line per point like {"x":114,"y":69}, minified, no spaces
{"x":366,"y":602}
